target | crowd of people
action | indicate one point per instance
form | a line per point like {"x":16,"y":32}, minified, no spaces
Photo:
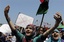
{"x":33,"y":33}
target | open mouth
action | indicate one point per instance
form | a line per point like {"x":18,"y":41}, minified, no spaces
{"x":55,"y":35}
{"x":28,"y":32}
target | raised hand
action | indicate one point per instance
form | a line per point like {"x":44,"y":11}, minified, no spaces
{"x":57,"y":17}
{"x":6,"y":10}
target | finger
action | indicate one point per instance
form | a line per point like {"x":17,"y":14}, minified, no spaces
{"x":7,"y":8}
{"x":55,"y":16}
{"x":58,"y":14}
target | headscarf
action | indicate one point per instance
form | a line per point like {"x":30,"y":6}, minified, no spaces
{"x":62,"y":30}
{"x":31,"y":26}
{"x":52,"y":40}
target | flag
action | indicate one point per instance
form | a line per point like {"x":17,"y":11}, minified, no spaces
{"x":60,"y":26}
{"x":41,"y":1}
{"x":43,"y":8}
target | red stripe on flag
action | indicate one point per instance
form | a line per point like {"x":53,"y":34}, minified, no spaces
{"x":41,"y":1}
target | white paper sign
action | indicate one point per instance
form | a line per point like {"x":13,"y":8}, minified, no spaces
{"x":5,"y":29}
{"x":23,"y":20}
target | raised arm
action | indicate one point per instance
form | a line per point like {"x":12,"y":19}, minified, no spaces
{"x":58,"y":19}
{"x":6,"y":10}
{"x":15,"y":32}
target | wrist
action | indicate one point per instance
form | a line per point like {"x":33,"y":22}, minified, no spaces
{"x":58,"y":21}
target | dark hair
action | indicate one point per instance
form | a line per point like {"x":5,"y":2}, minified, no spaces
{"x":0,"y":40}
{"x":1,"y":34}
{"x":38,"y":28}
{"x":62,"y":30}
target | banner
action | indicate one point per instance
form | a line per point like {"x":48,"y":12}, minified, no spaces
{"x":23,"y":20}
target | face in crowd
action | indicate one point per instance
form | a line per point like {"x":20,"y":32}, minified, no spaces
{"x":2,"y":37}
{"x":62,"y":33}
{"x":55,"y":35}
{"x":29,"y":30}
{"x":41,"y":30}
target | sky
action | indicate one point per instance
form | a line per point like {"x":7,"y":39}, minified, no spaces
{"x":30,"y":7}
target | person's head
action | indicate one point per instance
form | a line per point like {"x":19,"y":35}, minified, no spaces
{"x":1,"y":40}
{"x":29,"y":30}
{"x":1,"y":34}
{"x":41,"y":30}
{"x":2,"y":37}
{"x":62,"y":33}
{"x":55,"y":34}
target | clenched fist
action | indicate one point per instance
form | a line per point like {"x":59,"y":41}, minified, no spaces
{"x":57,"y":17}
{"x":6,"y":10}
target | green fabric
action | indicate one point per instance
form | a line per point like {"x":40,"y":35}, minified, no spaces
{"x":35,"y":39}
{"x":20,"y":36}
{"x":60,"y":26}
{"x":43,"y":8}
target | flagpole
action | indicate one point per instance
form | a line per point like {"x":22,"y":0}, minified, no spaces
{"x":42,"y":20}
